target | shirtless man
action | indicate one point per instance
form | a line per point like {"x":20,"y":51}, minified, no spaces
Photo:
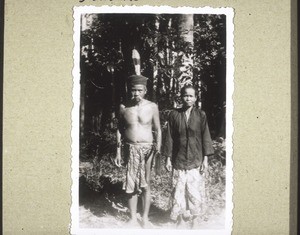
{"x":139,"y":129}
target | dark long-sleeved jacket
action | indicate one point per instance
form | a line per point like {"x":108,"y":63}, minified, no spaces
{"x":187,"y":142}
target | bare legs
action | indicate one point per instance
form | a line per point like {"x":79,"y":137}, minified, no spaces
{"x":146,"y":199}
{"x":146,"y":203}
{"x":132,"y":203}
{"x":147,"y":191}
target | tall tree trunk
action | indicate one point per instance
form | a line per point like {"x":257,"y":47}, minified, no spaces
{"x":186,"y":25}
{"x":82,"y":105}
{"x":184,"y":72}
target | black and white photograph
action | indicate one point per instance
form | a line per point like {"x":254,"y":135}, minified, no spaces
{"x":152,"y":119}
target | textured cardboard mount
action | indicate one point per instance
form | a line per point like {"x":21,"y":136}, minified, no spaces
{"x":38,"y":60}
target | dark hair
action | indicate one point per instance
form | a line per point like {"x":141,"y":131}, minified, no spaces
{"x":187,"y":87}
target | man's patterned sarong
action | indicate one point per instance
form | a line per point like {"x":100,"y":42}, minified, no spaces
{"x":188,"y":193}
{"x":137,"y":156}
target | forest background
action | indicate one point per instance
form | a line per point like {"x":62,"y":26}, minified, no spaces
{"x":172,"y":50}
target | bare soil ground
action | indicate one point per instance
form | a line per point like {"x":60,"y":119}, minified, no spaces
{"x":107,"y":210}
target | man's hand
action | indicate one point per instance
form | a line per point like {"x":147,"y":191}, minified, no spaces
{"x":117,"y":159}
{"x":204,"y":166}
{"x":168,"y":164}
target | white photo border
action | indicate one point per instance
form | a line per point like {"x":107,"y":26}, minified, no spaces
{"x":229,"y":12}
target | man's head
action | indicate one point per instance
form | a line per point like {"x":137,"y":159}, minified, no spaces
{"x":137,"y":87}
{"x":188,"y":96}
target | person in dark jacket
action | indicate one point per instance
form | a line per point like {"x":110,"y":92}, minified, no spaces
{"x":187,"y":145}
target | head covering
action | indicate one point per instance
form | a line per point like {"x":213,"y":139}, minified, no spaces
{"x":137,"y":80}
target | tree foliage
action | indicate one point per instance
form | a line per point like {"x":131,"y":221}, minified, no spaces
{"x":167,"y":59}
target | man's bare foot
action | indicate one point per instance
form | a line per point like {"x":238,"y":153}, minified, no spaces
{"x":194,"y":223}
{"x":181,"y":224}
{"x":187,"y":217}
{"x":133,"y":223}
{"x":147,"y":224}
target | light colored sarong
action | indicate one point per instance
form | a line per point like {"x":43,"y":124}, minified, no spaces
{"x":188,"y":193}
{"x":138,"y":155}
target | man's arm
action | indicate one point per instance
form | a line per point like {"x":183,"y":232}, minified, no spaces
{"x":204,"y":166}
{"x":117,"y":159}
{"x":206,"y":142}
{"x":206,"y":138}
{"x":156,"y":128}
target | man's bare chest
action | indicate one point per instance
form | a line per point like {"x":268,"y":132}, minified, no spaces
{"x":142,"y":115}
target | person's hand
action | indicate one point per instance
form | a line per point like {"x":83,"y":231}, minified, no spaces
{"x":117,"y":159}
{"x":204,"y":166}
{"x":168,"y":164}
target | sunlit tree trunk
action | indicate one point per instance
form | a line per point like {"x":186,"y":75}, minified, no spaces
{"x":86,"y":21}
{"x":184,"y":72}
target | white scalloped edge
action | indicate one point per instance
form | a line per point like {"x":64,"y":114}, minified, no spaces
{"x":74,"y":210}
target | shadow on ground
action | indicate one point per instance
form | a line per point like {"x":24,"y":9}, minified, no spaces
{"x":108,"y":208}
